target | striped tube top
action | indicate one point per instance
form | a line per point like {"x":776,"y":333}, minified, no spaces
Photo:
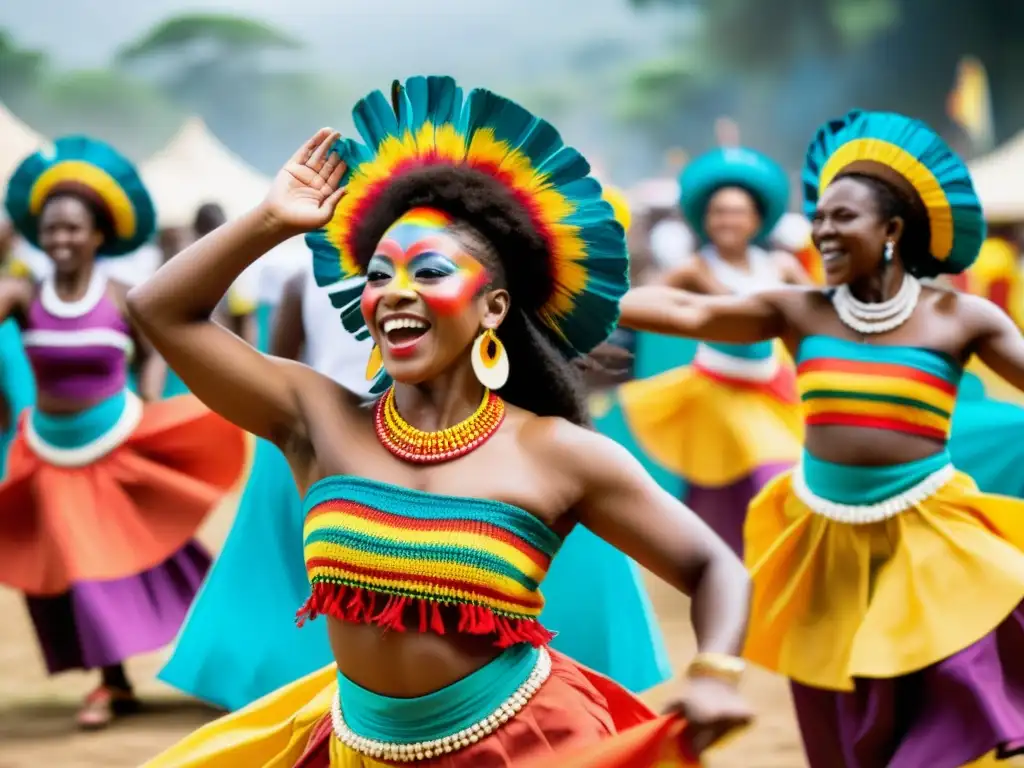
{"x":902,"y":389}
{"x":382,"y":554}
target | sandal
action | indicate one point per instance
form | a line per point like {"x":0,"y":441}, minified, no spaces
{"x":103,"y":705}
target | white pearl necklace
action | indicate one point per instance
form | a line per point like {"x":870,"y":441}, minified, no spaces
{"x":861,"y":514}
{"x":882,"y":317}
{"x":425,"y":750}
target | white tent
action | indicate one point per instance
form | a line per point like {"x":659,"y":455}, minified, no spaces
{"x":195,"y":168}
{"x":17,"y":141}
{"x":997,"y":178}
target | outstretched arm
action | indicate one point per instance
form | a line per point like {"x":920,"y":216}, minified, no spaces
{"x":675,"y":312}
{"x":623,"y":505}
{"x":174,"y":307}
{"x":997,"y":341}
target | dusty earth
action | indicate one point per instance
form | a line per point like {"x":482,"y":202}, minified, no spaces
{"x":36,"y":712}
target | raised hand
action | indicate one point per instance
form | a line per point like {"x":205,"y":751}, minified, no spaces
{"x":305,"y":191}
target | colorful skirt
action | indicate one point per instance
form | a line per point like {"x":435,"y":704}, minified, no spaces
{"x":723,"y":426}
{"x":610,"y":627}
{"x":99,"y":513}
{"x":525,"y":705}
{"x":891,"y":597}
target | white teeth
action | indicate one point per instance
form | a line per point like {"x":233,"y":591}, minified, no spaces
{"x":402,"y":322}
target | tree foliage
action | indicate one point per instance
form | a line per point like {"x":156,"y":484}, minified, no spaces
{"x":214,"y":34}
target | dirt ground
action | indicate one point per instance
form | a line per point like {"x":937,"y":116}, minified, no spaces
{"x":36,"y":712}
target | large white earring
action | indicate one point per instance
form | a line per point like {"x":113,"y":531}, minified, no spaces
{"x":890,"y":249}
{"x":490,"y":361}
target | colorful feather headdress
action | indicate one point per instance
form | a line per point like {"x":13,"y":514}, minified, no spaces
{"x":78,"y":161}
{"x":761,"y":176}
{"x":917,"y":155}
{"x":429,"y":123}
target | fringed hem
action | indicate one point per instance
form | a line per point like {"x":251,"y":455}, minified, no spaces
{"x":359,"y":605}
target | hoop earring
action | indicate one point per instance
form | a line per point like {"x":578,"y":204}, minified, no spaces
{"x":374,"y":364}
{"x":490,"y":361}
{"x":890,"y":249}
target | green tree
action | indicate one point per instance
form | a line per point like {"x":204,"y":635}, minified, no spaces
{"x":21,"y":71}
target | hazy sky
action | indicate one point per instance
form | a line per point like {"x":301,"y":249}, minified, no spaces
{"x":442,"y":35}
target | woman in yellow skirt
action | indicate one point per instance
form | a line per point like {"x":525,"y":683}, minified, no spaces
{"x":739,"y":398}
{"x":886,"y":586}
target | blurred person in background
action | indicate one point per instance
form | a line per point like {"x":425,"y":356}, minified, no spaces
{"x":17,"y":387}
{"x":103,"y":495}
{"x":730,"y":421}
{"x":237,"y":311}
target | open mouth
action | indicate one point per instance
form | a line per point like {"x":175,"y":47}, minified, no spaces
{"x":403,"y":333}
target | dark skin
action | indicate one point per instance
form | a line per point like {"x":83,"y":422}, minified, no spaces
{"x":851,"y":233}
{"x":731,"y":222}
{"x":559,"y":472}
{"x":69,"y":236}
{"x":288,"y":336}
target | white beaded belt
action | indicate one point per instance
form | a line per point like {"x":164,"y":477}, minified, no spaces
{"x":859,"y":514}
{"x":425,"y":750}
{"x":91,"y":451}
{"x":729,"y":366}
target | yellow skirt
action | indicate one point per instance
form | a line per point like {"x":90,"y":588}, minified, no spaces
{"x":712,"y":432}
{"x":836,"y":601}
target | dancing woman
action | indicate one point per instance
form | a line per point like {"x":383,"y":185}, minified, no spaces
{"x":886,"y":586}
{"x":738,"y":399}
{"x":473,"y":248}
{"x":102,"y":495}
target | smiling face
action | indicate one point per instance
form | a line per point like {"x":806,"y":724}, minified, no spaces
{"x":731,"y":219}
{"x":68,"y":234}
{"x":850,"y":230}
{"x":425,"y":299}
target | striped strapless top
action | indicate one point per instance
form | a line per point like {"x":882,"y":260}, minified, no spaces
{"x":382,"y":554}
{"x":901,"y":389}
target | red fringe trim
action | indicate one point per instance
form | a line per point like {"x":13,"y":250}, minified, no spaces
{"x":359,"y":605}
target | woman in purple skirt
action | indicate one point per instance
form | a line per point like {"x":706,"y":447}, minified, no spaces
{"x":103,"y":495}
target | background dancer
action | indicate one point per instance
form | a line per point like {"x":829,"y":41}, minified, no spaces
{"x":435,"y":248}
{"x":886,"y":586}
{"x":729,"y":422}
{"x":103,"y":495}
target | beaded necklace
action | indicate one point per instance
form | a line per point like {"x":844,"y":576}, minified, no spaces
{"x":411,"y":444}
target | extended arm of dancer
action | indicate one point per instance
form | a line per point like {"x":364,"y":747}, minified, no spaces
{"x":726,"y":318}
{"x":622,"y":504}
{"x":998,"y":342}
{"x":15,"y":297}
{"x":175,"y":307}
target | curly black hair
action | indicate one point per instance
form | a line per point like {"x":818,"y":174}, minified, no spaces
{"x":498,"y":231}
{"x":102,"y":217}
{"x":915,"y":242}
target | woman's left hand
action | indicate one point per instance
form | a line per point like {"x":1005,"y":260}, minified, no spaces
{"x":712,"y":709}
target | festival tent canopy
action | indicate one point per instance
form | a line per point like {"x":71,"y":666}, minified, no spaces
{"x":17,"y":141}
{"x":997,"y":178}
{"x":196,"y":168}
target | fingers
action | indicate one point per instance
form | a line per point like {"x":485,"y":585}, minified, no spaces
{"x":322,"y":151}
{"x":332,"y":201}
{"x":306,"y":150}
{"x":334,"y":179}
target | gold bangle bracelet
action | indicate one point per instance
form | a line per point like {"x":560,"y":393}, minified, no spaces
{"x":720,"y":666}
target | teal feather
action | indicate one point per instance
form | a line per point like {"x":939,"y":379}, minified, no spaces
{"x":922,"y":143}
{"x":439,"y":101}
{"x":733,"y":166}
{"x":95,"y":153}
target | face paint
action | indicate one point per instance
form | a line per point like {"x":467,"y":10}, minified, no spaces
{"x":418,"y":253}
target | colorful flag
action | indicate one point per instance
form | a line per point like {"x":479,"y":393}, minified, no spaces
{"x":969,"y":103}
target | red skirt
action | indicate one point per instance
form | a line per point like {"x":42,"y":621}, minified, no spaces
{"x":123,"y":514}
